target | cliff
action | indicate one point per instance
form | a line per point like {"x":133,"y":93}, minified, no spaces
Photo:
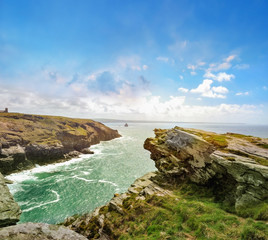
{"x":26,"y":140}
{"x":208,"y":186}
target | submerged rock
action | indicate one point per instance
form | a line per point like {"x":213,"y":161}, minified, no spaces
{"x":9,"y":209}
{"x":38,"y":231}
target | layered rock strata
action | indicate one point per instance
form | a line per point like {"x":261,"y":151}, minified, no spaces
{"x":237,"y":177}
{"x":26,"y":140}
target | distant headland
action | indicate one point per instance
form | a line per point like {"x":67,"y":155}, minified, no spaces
{"x":27,"y":139}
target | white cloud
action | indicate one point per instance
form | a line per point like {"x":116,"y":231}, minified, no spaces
{"x":230,"y":58}
{"x":221,"y":76}
{"x":242,"y":94}
{"x":184,"y":90}
{"x":220,"y":89}
{"x":241,"y":66}
{"x":181,"y":77}
{"x":193,"y":73}
{"x":124,"y":104}
{"x":206,"y":91}
{"x":264,"y":88}
{"x":92,"y":77}
{"x":56,"y":77}
{"x":203,"y":87}
{"x":192,"y":67}
{"x":226,"y":64}
{"x":130,"y":62}
{"x":163,"y":59}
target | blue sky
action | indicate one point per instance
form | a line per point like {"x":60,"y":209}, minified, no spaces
{"x":152,"y":60}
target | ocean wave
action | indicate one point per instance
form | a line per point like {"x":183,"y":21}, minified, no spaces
{"x":83,"y":179}
{"x":86,"y":172}
{"x":109,"y":182}
{"x":43,"y":204}
{"x":29,"y":174}
{"x":21,"y":176}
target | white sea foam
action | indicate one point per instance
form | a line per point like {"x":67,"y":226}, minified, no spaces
{"x":43,"y":204}
{"x":29,"y":174}
{"x":87,"y":173}
{"x":23,"y":203}
{"x":13,"y":188}
{"x":22,"y":176}
{"x":83,"y":179}
{"x":105,"y":181}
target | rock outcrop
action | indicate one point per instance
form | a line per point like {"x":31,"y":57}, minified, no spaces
{"x":96,"y":224}
{"x":9,"y":209}
{"x":26,"y":140}
{"x":38,"y":231}
{"x":237,"y":177}
{"x":182,"y":156}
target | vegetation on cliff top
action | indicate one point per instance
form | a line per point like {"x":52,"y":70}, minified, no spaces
{"x":41,"y":129}
{"x":190,"y":212}
{"x":225,"y":143}
{"x":172,"y":207}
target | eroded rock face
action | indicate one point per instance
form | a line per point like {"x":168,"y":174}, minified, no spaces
{"x":38,"y":231}
{"x":238,"y":180}
{"x":189,"y":147}
{"x":9,"y":209}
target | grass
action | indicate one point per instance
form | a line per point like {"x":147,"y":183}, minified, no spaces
{"x":189,"y":213}
{"x":41,"y":129}
{"x":218,"y":140}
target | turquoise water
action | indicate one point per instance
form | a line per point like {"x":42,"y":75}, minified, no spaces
{"x":52,"y":193}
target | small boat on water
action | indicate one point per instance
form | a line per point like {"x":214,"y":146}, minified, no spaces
{"x":126,"y":125}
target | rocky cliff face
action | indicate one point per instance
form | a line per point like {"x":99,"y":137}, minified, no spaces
{"x":232,"y":169}
{"x":29,"y":139}
{"x":226,"y":167}
{"x":9,"y":209}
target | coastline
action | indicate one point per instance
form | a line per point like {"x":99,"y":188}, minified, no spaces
{"x":153,"y":185}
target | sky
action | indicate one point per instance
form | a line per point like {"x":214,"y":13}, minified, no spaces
{"x":164,"y":60}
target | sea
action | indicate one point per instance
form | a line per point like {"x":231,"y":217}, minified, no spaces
{"x":54,"y":192}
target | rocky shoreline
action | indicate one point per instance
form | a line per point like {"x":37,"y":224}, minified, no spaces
{"x":26,"y":140}
{"x":230,"y":168}
{"x":236,"y":181}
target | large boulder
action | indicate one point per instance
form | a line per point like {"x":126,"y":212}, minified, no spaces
{"x":38,"y":231}
{"x":9,"y":209}
{"x":233,"y":172}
